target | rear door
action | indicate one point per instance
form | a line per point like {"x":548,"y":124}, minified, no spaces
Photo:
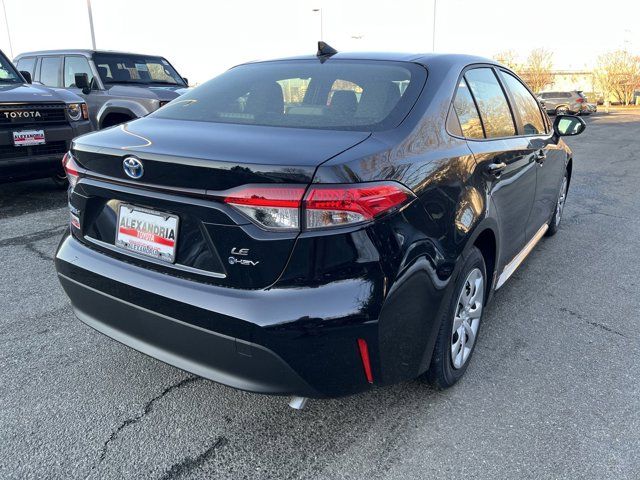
{"x":548,"y":157}
{"x":504,"y":157}
{"x":51,"y":71}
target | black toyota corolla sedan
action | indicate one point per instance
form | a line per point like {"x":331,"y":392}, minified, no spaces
{"x":315,"y":226}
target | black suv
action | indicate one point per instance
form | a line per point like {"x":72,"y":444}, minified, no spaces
{"x":315,"y":226}
{"x":36,"y":126}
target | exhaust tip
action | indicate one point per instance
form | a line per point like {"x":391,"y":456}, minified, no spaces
{"x":298,"y":403}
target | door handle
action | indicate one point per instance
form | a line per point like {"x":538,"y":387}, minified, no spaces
{"x":540,"y":156}
{"x":496,"y":169}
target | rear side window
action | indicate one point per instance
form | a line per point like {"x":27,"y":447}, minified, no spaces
{"x":467,"y":113}
{"x":73,"y":65}
{"x":26,"y":64}
{"x":526,"y":106}
{"x":50,"y":71}
{"x":338,"y":94}
{"x":493,"y":106}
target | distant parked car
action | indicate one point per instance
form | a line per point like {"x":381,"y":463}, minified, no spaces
{"x":117,"y":87}
{"x":564,"y":103}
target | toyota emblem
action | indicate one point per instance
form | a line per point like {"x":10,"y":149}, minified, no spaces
{"x":133,"y":167}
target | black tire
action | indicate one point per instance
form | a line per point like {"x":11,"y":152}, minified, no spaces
{"x":556,"y":219}
{"x":61,"y":181}
{"x":442,"y":373}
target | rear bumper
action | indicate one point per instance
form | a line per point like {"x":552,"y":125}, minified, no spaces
{"x":262,"y":341}
{"x":211,"y":355}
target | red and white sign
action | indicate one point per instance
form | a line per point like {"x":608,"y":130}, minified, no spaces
{"x":149,"y":233}
{"x":27,"y":138}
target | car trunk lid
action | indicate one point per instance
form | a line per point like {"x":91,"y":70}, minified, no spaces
{"x":187,"y":168}
{"x":212,"y":157}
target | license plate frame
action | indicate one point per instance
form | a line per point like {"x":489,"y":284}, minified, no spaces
{"x":144,"y":239}
{"x":28,"y":138}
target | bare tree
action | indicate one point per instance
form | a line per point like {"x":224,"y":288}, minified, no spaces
{"x":618,"y":75}
{"x":508,"y":58}
{"x":537,"y":70}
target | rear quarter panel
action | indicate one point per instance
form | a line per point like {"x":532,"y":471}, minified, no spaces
{"x":451,"y":211}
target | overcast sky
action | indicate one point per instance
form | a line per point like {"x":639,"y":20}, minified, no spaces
{"x":203,"y":38}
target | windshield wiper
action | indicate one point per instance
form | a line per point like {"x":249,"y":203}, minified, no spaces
{"x":9,"y":80}
{"x":163,"y":82}
{"x":125,"y":81}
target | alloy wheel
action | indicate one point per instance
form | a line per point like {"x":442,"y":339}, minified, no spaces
{"x":561,"y":200}
{"x":467,"y":318}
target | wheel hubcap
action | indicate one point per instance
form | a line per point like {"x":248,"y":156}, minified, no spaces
{"x":467,"y":318}
{"x":561,"y":199}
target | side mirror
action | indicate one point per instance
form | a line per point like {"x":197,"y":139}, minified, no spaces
{"x":27,"y":76}
{"x":82,"y":82}
{"x":568,"y":125}
{"x":185,"y":80}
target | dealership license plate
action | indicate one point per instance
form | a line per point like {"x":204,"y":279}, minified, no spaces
{"x":147,"y":232}
{"x":26,"y":138}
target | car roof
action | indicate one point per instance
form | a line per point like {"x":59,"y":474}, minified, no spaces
{"x":453,"y":59}
{"x":79,"y":51}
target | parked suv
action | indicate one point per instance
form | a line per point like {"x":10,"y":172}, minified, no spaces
{"x":36,"y":126}
{"x":563,"y":103}
{"x":315,"y":226}
{"x":116,"y":86}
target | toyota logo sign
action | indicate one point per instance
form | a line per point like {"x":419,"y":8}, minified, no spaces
{"x":133,"y":167}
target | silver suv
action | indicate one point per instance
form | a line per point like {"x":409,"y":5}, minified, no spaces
{"x":562,"y":103}
{"x":117,"y":87}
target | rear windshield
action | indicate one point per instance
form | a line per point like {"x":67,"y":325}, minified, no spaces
{"x":338,"y":95}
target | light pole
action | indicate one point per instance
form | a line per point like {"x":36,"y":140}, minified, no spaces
{"x":319,"y":10}
{"x":433,"y":40}
{"x":6,"y":21}
{"x":93,"y":35}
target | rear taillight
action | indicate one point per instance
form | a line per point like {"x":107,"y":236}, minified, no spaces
{"x":323,"y":206}
{"x":275,"y":208}
{"x":334,"y":206}
{"x":580,"y":100}
{"x":70,"y":168}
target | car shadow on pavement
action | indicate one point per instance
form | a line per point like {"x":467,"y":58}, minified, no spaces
{"x":18,"y":198}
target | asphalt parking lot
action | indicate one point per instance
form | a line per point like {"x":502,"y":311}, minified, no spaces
{"x":552,"y":392}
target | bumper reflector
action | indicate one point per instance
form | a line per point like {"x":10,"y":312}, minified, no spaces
{"x":364,"y":355}
{"x":75,"y":221}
